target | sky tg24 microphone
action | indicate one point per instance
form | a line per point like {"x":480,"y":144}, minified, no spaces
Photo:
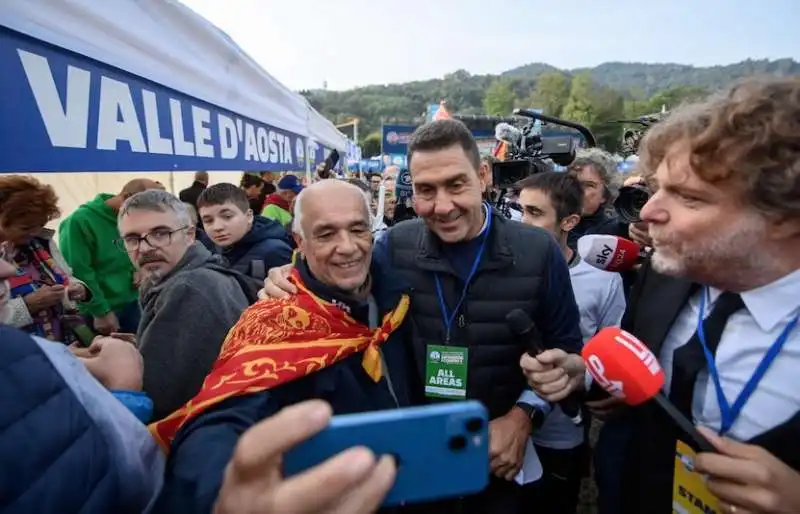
{"x":628,"y":370}
{"x":522,"y":326}
{"x":610,"y":253}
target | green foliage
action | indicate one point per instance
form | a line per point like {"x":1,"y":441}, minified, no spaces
{"x":499,"y":99}
{"x":371,"y":145}
{"x":594,"y":96}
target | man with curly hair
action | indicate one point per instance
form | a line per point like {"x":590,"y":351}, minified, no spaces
{"x":718,"y":304}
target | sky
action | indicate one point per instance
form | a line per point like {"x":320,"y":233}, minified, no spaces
{"x":306,"y":44}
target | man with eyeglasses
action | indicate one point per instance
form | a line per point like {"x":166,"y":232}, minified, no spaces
{"x":189,"y":298}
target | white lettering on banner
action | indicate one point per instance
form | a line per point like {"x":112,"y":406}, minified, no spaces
{"x":117,"y":119}
{"x":640,"y":351}
{"x":182,"y":146}
{"x":597,"y":370}
{"x":155,"y":143}
{"x":66,"y":120}
{"x":250,"y":143}
{"x":67,"y":124}
{"x":228,"y":139}
{"x":202,"y":132}
{"x":263,"y":144}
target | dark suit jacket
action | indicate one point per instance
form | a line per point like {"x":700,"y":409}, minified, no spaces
{"x":654,"y":304}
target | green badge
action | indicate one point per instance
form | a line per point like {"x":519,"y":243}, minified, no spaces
{"x":446,"y":372}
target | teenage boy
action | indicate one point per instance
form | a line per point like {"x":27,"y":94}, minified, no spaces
{"x":554,"y":201}
{"x":251,"y":244}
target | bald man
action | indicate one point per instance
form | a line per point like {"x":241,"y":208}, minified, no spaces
{"x":88,"y":239}
{"x":192,"y":193}
{"x":332,"y":230}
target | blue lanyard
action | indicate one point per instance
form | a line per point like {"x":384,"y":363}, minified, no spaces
{"x":448,"y":318}
{"x":729,"y":413}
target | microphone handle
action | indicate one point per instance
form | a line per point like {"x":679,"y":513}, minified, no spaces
{"x":572,"y":404}
{"x":683,"y":423}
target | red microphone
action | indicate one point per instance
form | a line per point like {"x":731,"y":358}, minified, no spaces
{"x":610,"y":253}
{"x":628,"y":370}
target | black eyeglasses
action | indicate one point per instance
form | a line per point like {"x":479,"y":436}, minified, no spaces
{"x":158,"y":238}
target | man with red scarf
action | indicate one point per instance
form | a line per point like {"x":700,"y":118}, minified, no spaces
{"x":339,"y":339}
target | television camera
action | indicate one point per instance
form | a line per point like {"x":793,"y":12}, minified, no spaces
{"x":522,"y":151}
{"x":632,"y":198}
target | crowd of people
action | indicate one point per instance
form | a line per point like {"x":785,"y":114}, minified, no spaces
{"x":163,"y":352}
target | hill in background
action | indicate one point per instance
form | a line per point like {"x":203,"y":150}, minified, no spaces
{"x":593,"y":96}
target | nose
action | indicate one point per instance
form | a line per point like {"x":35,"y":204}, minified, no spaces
{"x":443,"y":203}
{"x":347,"y":245}
{"x":653,"y":211}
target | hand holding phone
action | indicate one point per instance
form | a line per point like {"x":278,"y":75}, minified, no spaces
{"x":441,"y":450}
{"x":354,"y":481}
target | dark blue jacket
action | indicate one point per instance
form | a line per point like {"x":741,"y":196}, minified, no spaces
{"x":267,"y":245}
{"x":203,"y":448}
{"x":67,"y":444}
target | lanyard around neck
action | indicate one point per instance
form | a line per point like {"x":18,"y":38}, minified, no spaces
{"x":729,"y":413}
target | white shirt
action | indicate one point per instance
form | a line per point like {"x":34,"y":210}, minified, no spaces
{"x":601,"y":303}
{"x":746,"y":338}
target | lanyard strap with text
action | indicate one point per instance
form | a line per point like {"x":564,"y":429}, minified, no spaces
{"x":448,"y":317}
{"x":729,"y":413}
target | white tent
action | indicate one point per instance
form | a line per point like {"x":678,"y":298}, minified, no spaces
{"x":141,"y":88}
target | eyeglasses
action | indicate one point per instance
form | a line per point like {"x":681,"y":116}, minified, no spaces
{"x":158,"y":238}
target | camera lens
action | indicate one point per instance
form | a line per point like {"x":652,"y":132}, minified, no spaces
{"x":457,"y":443}
{"x":474,"y":425}
{"x":630,"y":202}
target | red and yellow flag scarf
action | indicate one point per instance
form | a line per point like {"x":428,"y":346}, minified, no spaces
{"x":277,"y":341}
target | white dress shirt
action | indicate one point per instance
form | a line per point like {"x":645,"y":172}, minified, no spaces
{"x":747,"y":336}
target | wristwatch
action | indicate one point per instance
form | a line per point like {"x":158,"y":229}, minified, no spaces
{"x":536,"y":416}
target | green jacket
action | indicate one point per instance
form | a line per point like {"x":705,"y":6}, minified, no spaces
{"x":87,"y":241}
{"x":278,"y":214}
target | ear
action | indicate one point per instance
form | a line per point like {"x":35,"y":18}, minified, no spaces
{"x":191,"y":231}
{"x":569,"y":222}
{"x":299,"y":241}
{"x":484,"y":175}
{"x":250,"y":216}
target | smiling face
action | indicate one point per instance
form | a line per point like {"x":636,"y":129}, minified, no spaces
{"x":336,"y":237}
{"x":448,"y":192}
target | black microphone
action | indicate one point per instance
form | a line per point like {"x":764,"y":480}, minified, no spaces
{"x":522,"y":326}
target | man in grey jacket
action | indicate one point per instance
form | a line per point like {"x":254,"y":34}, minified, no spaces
{"x":189,"y":299}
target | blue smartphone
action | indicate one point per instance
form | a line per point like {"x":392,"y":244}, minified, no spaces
{"x":441,"y":450}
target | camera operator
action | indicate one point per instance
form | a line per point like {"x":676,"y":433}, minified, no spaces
{"x":596,"y":169}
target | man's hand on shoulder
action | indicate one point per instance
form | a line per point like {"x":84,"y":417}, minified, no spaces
{"x":277,"y":284}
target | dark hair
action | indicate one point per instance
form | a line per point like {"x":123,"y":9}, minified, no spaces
{"x":219,"y":194}
{"x":441,"y":134}
{"x":250,"y":180}
{"x":564,"y":189}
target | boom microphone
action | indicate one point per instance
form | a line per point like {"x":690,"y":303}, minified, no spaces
{"x":628,"y":370}
{"x":508,"y":133}
{"x":610,"y":253}
{"x":523,"y":327}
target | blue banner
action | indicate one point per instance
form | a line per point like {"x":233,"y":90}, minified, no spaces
{"x":60,"y":111}
{"x":394,"y":138}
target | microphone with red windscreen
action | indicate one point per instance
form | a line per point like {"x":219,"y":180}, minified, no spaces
{"x":628,"y":370}
{"x":610,"y":253}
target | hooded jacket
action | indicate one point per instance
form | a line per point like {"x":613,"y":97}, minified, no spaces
{"x":267,"y":245}
{"x":185,"y":318}
{"x":87,"y":241}
{"x":277,"y":208}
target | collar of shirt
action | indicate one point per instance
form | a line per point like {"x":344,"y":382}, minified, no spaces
{"x":770,"y":303}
